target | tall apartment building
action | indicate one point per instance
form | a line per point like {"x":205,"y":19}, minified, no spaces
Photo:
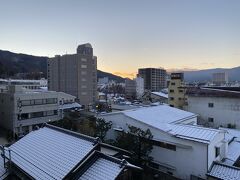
{"x":176,"y":91}
{"x":75,"y":74}
{"x":220,"y":78}
{"x":154,"y":78}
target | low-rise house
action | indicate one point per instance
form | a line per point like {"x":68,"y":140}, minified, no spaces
{"x":180,"y":147}
{"x":55,"y":153}
{"x":216,"y":107}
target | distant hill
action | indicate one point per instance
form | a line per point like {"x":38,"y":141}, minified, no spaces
{"x":12,"y":64}
{"x":206,"y":75}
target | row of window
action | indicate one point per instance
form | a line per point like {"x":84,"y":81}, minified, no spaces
{"x":39,"y":114}
{"x":38,"y":102}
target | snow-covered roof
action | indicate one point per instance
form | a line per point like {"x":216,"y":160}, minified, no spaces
{"x":102,"y":169}
{"x":160,"y":94}
{"x":69,"y":106}
{"x":233,"y":138}
{"x":195,"y":133}
{"x":50,"y":153}
{"x":159,"y":116}
{"x":221,"y":171}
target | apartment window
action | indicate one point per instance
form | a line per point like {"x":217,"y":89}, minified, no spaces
{"x":38,"y":101}
{"x":83,"y":86}
{"x":210,"y":119}
{"x":83,"y":59}
{"x":83,"y":72}
{"x":49,"y":113}
{"x":26,"y":103}
{"x":83,"y":79}
{"x":217,"y":151}
{"x":37,"y":114}
{"x":83,"y":66}
{"x":173,"y":84}
{"x":211,"y":105}
{"x":51,"y":101}
{"x":172,"y":98}
{"x":171,"y":91}
{"x":179,"y":99}
{"x":22,"y":116}
{"x":180,"y":90}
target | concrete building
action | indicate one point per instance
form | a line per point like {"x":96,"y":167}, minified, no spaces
{"x":75,"y":74}
{"x":21,"y":109}
{"x":216,"y":107}
{"x":180,"y":147}
{"x":176,"y":91}
{"x":154,"y":78}
{"x":139,"y":86}
{"x":130,"y":89}
{"x":220,"y":78}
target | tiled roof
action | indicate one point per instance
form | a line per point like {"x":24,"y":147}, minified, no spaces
{"x":225,"y":172}
{"x":195,"y":133}
{"x":102,"y":169}
{"x":49,"y":153}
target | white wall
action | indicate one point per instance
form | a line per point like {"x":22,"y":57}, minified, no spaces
{"x":189,"y":158}
{"x":225,"y":110}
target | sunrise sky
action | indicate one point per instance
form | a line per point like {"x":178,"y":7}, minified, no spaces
{"x":127,"y":34}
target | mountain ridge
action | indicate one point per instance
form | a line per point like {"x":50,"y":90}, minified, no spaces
{"x":14,"y":63}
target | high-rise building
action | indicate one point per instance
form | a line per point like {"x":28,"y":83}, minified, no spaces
{"x":75,"y":74}
{"x":139,"y":86}
{"x":220,"y":78}
{"x":176,"y":91}
{"x":130,"y":89}
{"x":154,"y":78}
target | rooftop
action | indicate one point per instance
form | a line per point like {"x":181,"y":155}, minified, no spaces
{"x":221,"y":171}
{"x":49,"y":153}
{"x":210,"y":92}
{"x":161,"y":94}
{"x":156,"y":116}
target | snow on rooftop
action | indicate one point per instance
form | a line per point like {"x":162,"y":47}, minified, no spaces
{"x":225,"y":172}
{"x":195,"y":133}
{"x":159,"y":116}
{"x":160,"y":94}
{"x":48,"y":153}
{"x":102,"y":169}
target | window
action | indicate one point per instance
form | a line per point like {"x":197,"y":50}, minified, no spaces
{"x":38,"y":101}
{"x":217,"y":151}
{"x":171,"y":91}
{"x":83,"y":59}
{"x":164,"y":145}
{"x":83,"y":86}
{"x":51,"y":101}
{"x":211,"y":105}
{"x":83,"y":72}
{"x":83,"y":79}
{"x":173,"y":84}
{"x":37,"y":114}
{"x":84,"y":93}
{"x":210,"y":119}
{"x":83,"y":66}
{"x":171,"y":98}
{"x":180,"y":90}
{"x":26,"y":103}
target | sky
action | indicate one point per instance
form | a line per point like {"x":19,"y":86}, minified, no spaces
{"x":127,"y":34}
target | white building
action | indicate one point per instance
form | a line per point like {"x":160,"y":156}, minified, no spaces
{"x":139,"y":86}
{"x":220,"y":78}
{"x":21,"y":109}
{"x":179,"y":146}
{"x":215,"y":107}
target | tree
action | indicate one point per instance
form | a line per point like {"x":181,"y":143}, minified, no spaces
{"x":138,"y":142}
{"x":101,"y":128}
